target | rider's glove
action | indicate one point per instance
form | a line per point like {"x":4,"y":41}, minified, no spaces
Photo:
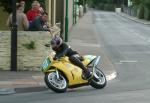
{"x":55,"y":58}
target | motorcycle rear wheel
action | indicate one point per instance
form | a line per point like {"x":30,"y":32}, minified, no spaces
{"x":59,"y":86}
{"x":101,"y":83}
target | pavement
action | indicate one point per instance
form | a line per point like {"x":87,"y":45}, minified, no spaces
{"x":134,"y":18}
{"x":82,"y":38}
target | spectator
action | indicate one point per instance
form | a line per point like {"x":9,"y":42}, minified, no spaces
{"x":22,"y":21}
{"x":22,"y":3}
{"x":40,"y":23}
{"x":34,"y":11}
{"x":35,"y":1}
{"x":39,"y":6}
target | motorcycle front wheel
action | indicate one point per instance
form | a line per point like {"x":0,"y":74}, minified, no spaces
{"x":57,"y":85}
{"x":101,"y":80}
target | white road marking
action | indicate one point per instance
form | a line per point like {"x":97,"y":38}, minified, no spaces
{"x":85,"y":44}
{"x":111,"y":76}
{"x":128,"y":61}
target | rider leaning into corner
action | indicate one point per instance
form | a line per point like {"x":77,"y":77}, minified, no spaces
{"x":62,"y":49}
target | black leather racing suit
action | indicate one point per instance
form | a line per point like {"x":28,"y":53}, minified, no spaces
{"x":65,"y":50}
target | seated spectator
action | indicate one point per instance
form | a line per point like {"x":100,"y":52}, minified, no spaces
{"x":40,"y":8}
{"x":22,"y":21}
{"x":34,"y":11}
{"x":39,"y":23}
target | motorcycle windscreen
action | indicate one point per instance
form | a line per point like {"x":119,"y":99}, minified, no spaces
{"x":97,"y":61}
{"x":88,"y":59}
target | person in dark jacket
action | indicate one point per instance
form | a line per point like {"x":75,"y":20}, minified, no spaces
{"x":62,"y":49}
{"x":39,"y":23}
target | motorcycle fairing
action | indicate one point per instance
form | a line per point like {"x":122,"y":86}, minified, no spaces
{"x":73,"y":73}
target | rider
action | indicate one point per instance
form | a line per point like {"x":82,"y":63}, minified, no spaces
{"x":62,"y":49}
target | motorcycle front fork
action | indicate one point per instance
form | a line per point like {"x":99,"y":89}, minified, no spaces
{"x":57,"y":74}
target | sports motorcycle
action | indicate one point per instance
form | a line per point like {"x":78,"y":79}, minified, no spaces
{"x":61,"y":74}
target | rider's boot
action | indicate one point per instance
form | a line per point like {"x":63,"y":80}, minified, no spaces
{"x":86,"y":75}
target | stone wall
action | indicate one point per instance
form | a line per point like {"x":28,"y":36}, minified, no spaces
{"x":28,"y":58}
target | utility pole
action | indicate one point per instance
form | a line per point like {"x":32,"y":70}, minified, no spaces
{"x":66,"y":22}
{"x":14,"y":38}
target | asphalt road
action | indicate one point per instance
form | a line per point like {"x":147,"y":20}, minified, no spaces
{"x":127,"y":44}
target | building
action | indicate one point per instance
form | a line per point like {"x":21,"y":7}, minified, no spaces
{"x":57,"y":13}
{"x":61,"y":12}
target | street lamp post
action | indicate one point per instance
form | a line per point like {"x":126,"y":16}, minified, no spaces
{"x":14,"y":38}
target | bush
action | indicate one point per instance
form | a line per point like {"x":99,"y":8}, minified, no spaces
{"x":143,"y":8}
{"x":106,"y":7}
{"x":100,"y":6}
{"x":140,"y":12}
{"x":112,"y":7}
{"x":30,"y":46}
{"x":146,"y":14}
{"x":109,"y":7}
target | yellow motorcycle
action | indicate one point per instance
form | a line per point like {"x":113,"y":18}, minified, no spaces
{"x":62,"y":74}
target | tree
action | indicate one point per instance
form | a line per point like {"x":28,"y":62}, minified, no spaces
{"x":108,"y":5}
{"x":6,"y":4}
{"x":143,"y":8}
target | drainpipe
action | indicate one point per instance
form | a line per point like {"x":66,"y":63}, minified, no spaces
{"x":74,"y":11}
{"x":66,"y":22}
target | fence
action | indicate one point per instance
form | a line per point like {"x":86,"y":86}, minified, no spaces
{"x":31,"y":49}
{"x":129,"y":10}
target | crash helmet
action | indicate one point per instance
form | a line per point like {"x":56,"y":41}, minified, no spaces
{"x":56,"y":42}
